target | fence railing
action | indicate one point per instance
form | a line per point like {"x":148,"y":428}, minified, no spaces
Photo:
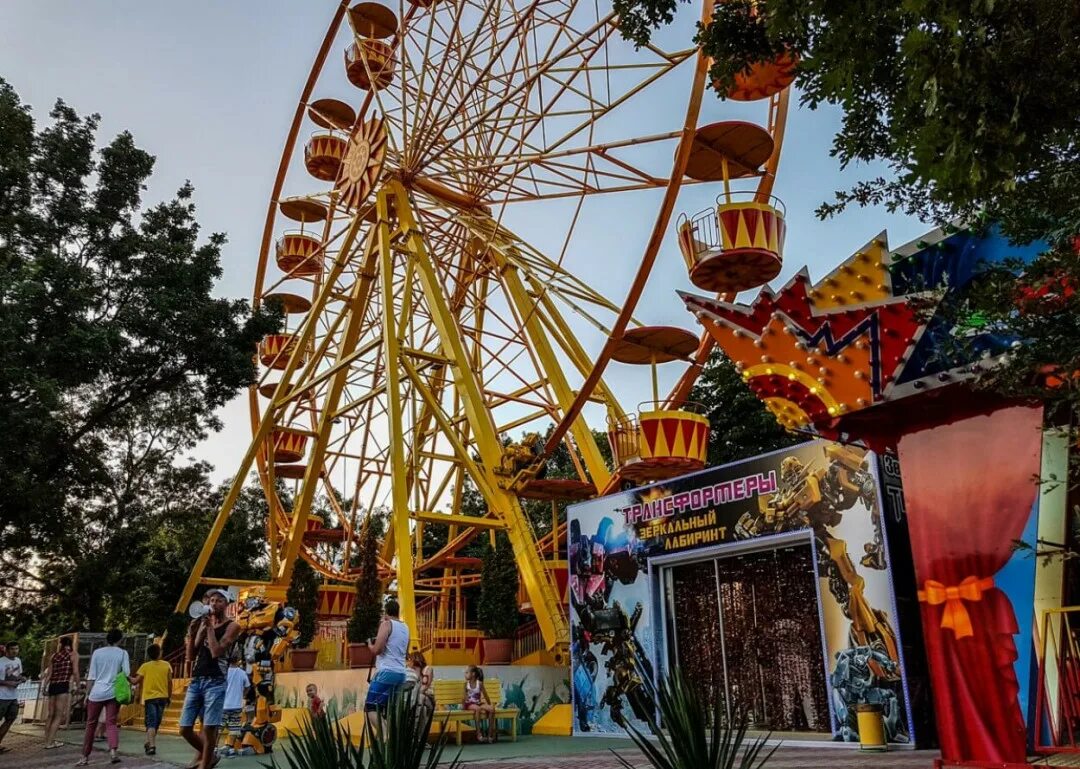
{"x":528,"y":640}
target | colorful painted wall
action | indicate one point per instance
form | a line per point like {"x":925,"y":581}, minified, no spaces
{"x":826,"y":491}
{"x":533,"y":690}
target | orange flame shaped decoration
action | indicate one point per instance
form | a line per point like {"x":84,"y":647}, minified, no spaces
{"x":813,"y":352}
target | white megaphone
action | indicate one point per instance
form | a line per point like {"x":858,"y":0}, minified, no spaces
{"x":198,"y":610}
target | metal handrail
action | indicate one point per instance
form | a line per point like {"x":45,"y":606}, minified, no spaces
{"x":352,"y":50}
{"x":691,"y":406}
{"x":749,"y":196}
{"x":297,"y":232}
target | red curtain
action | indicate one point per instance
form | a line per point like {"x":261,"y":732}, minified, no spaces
{"x":969,"y":487}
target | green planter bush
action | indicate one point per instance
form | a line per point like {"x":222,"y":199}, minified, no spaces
{"x":303,"y":595}
{"x":497,"y":612}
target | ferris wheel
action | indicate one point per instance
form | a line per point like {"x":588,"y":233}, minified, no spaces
{"x":424,"y":337}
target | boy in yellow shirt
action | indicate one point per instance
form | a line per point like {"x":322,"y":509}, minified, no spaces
{"x":155,"y":682}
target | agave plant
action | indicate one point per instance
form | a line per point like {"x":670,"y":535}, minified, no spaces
{"x":399,"y":740}
{"x":695,"y":735}
{"x":322,"y":743}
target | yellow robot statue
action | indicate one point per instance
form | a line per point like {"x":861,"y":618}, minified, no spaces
{"x":817,"y":499}
{"x":523,"y":455}
{"x":267,"y":630}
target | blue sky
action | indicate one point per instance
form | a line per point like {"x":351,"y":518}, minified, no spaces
{"x":209,"y":88}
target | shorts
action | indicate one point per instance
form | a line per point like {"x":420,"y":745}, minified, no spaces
{"x":234,"y":722}
{"x":205,"y":699}
{"x":59,"y":687}
{"x":154,"y":710}
{"x":9,"y":710}
{"x":382,"y":688}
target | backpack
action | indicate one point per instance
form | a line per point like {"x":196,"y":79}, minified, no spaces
{"x":122,"y":689}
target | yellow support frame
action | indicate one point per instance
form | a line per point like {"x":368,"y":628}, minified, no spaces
{"x":471,"y":428}
{"x":538,"y":584}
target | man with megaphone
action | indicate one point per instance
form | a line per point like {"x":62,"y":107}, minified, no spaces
{"x":210,"y":636}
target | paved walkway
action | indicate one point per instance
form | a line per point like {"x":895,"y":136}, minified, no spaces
{"x":785,"y":758}
{"x":25,"y":752}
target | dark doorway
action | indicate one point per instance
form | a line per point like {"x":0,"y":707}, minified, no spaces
{"x":747,"y":628}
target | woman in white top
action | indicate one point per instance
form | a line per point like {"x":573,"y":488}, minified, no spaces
{"x":106,"y":664}
{"x":390,"y":648}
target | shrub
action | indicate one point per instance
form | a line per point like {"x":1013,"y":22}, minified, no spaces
{"x":695,"y":735}
{"x":364,"y":622}
{"x":303,"y":596}
{"x":498,"y":608}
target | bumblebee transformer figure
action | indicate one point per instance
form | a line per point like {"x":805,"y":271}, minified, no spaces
{"x":817,"y":498}
{"x":267,"y":630}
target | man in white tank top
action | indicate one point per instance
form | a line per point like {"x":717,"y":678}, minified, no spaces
{"x":390,"y":647}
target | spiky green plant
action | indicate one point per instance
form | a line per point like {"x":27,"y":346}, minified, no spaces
{"x":399,"y":740}
{"x":695,"y":735}
{"x":322,"y":743}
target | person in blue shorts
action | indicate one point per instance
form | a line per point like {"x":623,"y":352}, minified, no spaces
{"x":391,"y":646}
{"x":209,"y":639}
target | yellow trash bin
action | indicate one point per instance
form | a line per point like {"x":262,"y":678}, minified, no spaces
{"x":871,"y":728}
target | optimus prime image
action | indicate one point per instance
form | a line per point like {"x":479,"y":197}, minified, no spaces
{"x":596,"y":564}
{"x":817,"y":498}
{"x":267,"y":630}
{"x":855,"y":682}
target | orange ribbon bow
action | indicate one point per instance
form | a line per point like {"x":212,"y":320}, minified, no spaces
{"x":955,"y":616}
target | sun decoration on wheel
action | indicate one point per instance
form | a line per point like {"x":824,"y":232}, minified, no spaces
{"x":428,"y":255}
{"x":362,"y":164}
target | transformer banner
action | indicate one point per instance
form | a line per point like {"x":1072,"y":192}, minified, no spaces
{"x":634,"y":579}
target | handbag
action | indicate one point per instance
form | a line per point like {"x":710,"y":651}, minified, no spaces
{"x":122,"y":689}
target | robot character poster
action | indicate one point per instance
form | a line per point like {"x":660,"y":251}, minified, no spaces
{"x":728,"y":616}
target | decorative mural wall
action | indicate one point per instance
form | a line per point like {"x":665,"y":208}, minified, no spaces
{"x":824,"y":495}
{"x":533,"y":690}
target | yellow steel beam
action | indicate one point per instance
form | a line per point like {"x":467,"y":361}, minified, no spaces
{"x":567,"y":340}
{"x":537,"y":581}
{"x":462,"y":520}
{"x":399,"y":469}
{"x":528,"y":311}
{"x":356,"y":309}
{"x":266,"y":423}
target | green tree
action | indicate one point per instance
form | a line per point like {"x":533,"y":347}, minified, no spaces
{"x":498,"y":607}
{"x":739,"y":424}
{"x":105,"y":310}
{"x":367,"y":611}
{"x":974,"y":107}
{"x":303,"y":595}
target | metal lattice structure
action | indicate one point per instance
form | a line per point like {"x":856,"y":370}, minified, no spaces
{"x":422,"y":333}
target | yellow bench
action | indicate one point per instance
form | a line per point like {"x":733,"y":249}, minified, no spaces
{"x":450,"y":692}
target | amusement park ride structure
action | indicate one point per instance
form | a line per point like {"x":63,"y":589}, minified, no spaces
{"x":422,"y":334}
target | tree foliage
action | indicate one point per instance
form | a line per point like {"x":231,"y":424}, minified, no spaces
{"x":116,"y":357}
{"x":106,"y":311}
{"x":971,"y":104}
{"x":739,"y":424}
{"x":303,"y":595}
{"x":498,"y":607}
{"x":367,"y":611}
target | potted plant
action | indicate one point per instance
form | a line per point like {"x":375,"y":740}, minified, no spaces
{"x":367,"y":611}
{"x":498,"y":610}
{"x":303,"y":595}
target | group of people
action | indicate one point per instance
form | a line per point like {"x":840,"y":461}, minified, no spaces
{"x":398,"y":670}
{"x":216,"y":692}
